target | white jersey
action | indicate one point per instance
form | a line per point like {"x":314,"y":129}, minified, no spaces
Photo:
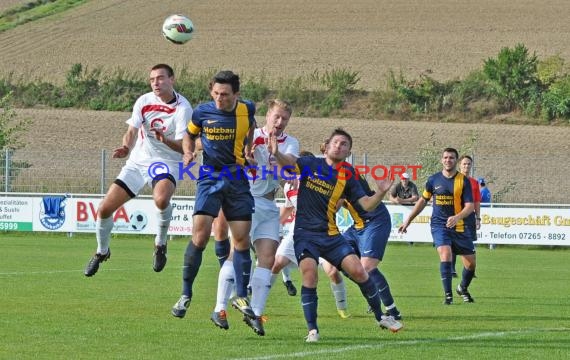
{"x":266,"y":182}
{"x":290,"y":192}
{"x":150,"y":112}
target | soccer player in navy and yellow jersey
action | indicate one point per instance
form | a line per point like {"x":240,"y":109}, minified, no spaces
{"x":452,"y":202}
{"x":323,"y":183}
{"x":225,"y":128}
{"x":369,"y":234}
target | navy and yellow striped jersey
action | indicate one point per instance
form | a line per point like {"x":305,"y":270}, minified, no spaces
{"x":449,"y":196}
{"x":223,"y":134}
{"x":320,"y":189}
{"x":361,"y":216}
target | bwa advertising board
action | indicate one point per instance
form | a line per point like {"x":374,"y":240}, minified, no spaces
{"x":499,"y":225}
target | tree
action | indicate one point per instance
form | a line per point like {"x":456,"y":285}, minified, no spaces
{"x":11,"y":128}
{"x":429,"y":157}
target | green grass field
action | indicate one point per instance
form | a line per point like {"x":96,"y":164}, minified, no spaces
{"x":50,"y":310}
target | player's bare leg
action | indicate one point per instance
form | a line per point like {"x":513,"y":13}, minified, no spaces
{"x":242,"y":265}
{"x":202,"y":227}
{"x":115,"y":198}
{"x":162,"y":193}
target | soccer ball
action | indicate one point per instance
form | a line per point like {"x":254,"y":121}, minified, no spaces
{"x":138,"y":220}
{"x":177,"y":29}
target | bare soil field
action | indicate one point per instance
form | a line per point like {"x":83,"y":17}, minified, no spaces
{"x":448,"y":38}
{"x":7,"y":4}
{"x":288,"y":38}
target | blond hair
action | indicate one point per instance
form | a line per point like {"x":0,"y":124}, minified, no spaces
{"x":285,"y":105}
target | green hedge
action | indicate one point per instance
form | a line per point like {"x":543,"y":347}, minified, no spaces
{"x":514,"y":81}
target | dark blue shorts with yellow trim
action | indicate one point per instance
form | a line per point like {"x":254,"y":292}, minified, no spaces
{"x":315,"y":244}
{"x":461,"y":242}
{"x":371,"y":240}
{"x":232,"y":195}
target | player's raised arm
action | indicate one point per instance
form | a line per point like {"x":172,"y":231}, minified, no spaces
{"x":418,"y":208}
{"x":283,"y":160}
{"x":188,"y":148}
{"x":175,"y":145}
{"x":370,"y":203}
{"x":128,"y":142}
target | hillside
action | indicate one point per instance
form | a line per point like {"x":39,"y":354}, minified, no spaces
{"x":446,"y":38}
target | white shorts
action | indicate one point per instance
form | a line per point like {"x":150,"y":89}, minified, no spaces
{"x":287,"y":249}
{"x":135,"y":177}
{"x":265,"y":220}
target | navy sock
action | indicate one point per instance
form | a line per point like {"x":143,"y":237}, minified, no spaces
{"x":310,"y":301}
{"x":371,"y":294}
{"x":192,"y":262}
{"x":383,"y":287}
{"x":222,"y":250}
{"x":445,"y":271}
{"x":242,"y":267}
{"x":466,"y":277}
{"x":453,"y":262}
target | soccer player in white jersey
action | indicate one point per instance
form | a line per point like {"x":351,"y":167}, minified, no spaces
{"x":153,"y":142}
{"x":264,"y":183}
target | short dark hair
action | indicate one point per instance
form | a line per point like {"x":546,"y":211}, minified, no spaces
{"x":165,"y":67}
{"x":465,"y":157}
{"x":306,"y":153}
{"x":342,"y":132}
{"x":226,"y":77}
{"x":451,"y":150}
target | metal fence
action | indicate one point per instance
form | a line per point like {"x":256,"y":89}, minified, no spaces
{"x":533,"y":180}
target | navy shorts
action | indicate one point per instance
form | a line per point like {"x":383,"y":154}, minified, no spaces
{"x":371,"y":240}
{"x":319,"y":244}
{"x":461,"y":242}
{"x":232,"y":195}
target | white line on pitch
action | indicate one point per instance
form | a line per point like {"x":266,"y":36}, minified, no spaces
{"x":405,"y":342}
{"x":48,"y":272}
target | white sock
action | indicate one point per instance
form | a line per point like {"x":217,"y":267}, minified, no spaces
{"x":226,"y":283}
{"x":164,"y":217}
{"x":286,"y":273}
{"x":253,"y":266}
{"x":339,"y":292}
{"x":273,"y":278}
{"x":103,"y":230}
{"x":260,"y":285}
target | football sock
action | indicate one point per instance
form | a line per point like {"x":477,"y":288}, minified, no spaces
{"x":242,"y":268}
{"x":226,"y":283}
{"x":445,"y":271}
{"x":222,"y":250}
{"x":260,"y":286}
{"x":466,"y":278}
{"x":309,"y":301}
{"x":192,"y":262}
{"x":372,"y":296}
{"x":383,"y":287}
{"x":103,"y":229}
{"x":453,"y":262}
{"x":273,"y":278}
{"x":339,"y":292}
{"x":286,"y":273}
{"x":164,"y":217}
